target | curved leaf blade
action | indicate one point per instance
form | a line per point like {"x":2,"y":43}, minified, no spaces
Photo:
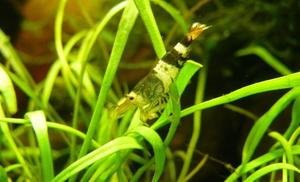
{"x":38,"y":121}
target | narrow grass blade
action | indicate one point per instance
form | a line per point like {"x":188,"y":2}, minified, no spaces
{"x":58,"y":40}
{"x":12,"y":57}
{"x":51,"y":113}
{"x":26,"y":89}
{"x":197,"y":168}
{"x":49,"y":82}
{"x":146,"y":13}
{"x":89,"y":93}
{"x":3,"y":176}
{"x":185,"y":75}
{"x":91,"y":170}
{"x":158,"y":147}
{"x":284,"y":82}
{"x":266,"y":57}
{"x":9,"y":101}
{"x":171,"y":164}
{"x":295,"y":123}
{"x":125,"y":26}
{"x":270,"y":168}
{"x":175,"y":110}
{"x":85,"y":87}
{"x":287,"y":149}
{"x":70,"y":130}
{"x":262,"y":124}
{"x":14,"y":148}
{"x":62,"y":127}
{"x":56,"y":67}
{"x":104,"y":130}
{"x":90,"y":40}
{"x":137,"y":174}
{"x":294,"y":136}
{"x":38,"y":121}
{"x":174,"y":13}
{"x":8,"y":92}
{"x":260,"y":161}
{"x":121,"y":143}
{"x":196,"y":127}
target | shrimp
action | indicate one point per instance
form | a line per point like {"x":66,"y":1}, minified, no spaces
{"x":151,"y":93}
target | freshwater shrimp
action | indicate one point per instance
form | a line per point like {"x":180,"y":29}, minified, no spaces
{"x":151,"y":93}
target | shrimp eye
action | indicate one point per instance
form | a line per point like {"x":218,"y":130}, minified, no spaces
{"x":131,"y":98}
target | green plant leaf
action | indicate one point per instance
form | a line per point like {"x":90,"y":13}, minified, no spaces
{"x":6,"y":134}
{"x":174,"y":13}
{"x":263,"y":123}
{"x":183,"y":176}
{"x":175,"y":110}
{"x":15,"y":149}
{"x":12,"y":57}
{"x":185,"y":75}
{"x":125,"y":26}
{"x":146,"y":13}
{"x":56,"y":67}
{"x":68,"y":129}
{"x":266,"y":57}
{"x":284,"y":82}
{"x":295,"y":123}
{"x":3,"y":176}
{"x":38,"y":121}
{"x":26,"y":89}
{"x":287,"y":149}
{"x":8,"y":92}
{"x":158,"y":147}
{"x":118,"y":144}
{"x":270,"y":168}
{"x":260,"y":161}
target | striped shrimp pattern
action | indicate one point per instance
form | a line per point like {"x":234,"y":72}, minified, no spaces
{"x":151,"y":93}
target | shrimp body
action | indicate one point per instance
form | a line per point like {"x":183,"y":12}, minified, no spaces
{"x":151,"y":93}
